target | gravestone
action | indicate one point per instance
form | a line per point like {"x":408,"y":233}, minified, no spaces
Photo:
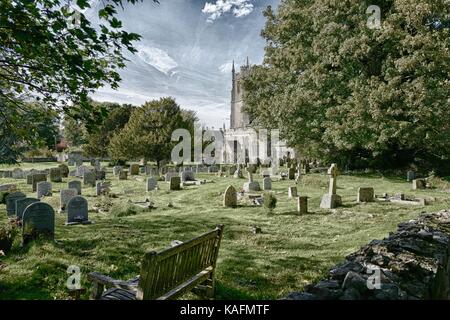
{"x":100,"y":174}
{"x":65,"y":196}
{"x":75,"y":159}
{"x":232,"y":170}
{"x":302,"y":205}
{"x":38,"y":220}
{"x":265,"y":173}
{"x":89,"y":179}
{"x":211,"y":169}
{"x":134,"y":170}
{"x":331,"y":200}
{"x":291,"y":174}
{"x":7,"y":174}
{"x":418,"y":184}
{"x":97,"y":164}
{"x":292,"y":192}
{"x":151,"y":184}
{"x":267,"y":183}
{"x":123,"y":175}
{"x":77,"y":211}
{"x":230,"y":197}
{"x":102,"y":188}
{"x":55,"y":175}
{"x":72,"y":173}
{"x":10,"y":200}
{"x":238,"y":174}
{"x":21,"y":204}
{"x":252,"y":168}
{"x":169,"y":176}
{"x":175,"y":183}
{"x":43,"y":188}
{"x":37,"y":177}
{"x":410,"y":175}
{"x":365,"y":194}
{"x":187,"y":175}
{"x":251,"y":186}
{"x":17,"y":173}
{"x":64,"y":170}
{"x":117,"y":170}
{"x":8,"y":187}
{"x":75,"y":185}
{"x":250,"y":177}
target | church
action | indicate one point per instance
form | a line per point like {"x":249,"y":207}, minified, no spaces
{"x":242,"y":142}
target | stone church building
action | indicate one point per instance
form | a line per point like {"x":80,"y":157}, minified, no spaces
{"x":242,"y":143}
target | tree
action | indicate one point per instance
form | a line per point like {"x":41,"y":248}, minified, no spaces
{"x":344,"y":92}
{"x":97,"y":142}
{"x":49,"y":51}
{"x":148,"y":133}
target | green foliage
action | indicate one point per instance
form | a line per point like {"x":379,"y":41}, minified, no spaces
{"x":269,"y":201}
{"x":3,"y":196}
{"x":360,"y":97}
{"x":124,"y":210}
{"x":148,"y":133}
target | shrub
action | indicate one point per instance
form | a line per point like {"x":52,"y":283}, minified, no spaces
{"x":8,"y":233}
{"x":270,"y":201}
{"x":3,"y":197}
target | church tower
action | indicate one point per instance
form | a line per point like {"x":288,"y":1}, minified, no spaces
{"x":238,"y":119}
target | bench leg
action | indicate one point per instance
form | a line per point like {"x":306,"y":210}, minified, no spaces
{"x":97,"y":291}
{"x":205,"y":289}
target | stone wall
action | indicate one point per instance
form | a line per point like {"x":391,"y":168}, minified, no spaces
{"x":412,"y":263}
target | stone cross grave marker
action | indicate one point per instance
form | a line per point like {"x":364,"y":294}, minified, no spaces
{"x":331,"y":200}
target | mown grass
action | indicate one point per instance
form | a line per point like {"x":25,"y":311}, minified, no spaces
{"x":291,"y":251}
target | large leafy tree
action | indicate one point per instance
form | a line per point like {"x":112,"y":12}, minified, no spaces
{"x":148,"y":133}
{"x":342,"y":91}
{"x":50,"y":52}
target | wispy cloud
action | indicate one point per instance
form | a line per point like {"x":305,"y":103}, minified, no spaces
{"x":226,"y":67}
{"x":239,"y":8}
{"x":157,"y":58}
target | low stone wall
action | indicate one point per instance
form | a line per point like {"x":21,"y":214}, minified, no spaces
{"x":412,"y":263}
{"x":40,"y":159}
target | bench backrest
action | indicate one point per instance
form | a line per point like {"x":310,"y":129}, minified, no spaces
{"x":162,"y":271}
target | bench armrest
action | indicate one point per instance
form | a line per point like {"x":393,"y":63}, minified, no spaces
{"x":101,"y":281}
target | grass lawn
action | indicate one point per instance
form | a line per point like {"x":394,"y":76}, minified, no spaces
{"x":291,"y":251}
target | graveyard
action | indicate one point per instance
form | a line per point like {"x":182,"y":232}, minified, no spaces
{"x":289,"y":251}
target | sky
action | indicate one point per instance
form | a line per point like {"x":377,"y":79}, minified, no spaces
{"x":186,"y":52}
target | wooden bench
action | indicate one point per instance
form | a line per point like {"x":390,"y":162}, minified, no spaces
{"x":167,"y":274}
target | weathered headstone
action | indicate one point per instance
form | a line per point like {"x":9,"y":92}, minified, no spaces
{"x":43,"y":188}
{"x":302,"y":205}
{"x":55,"y":175}
{"x":64,"y":170}
{"x":22,"y":203}
{"x":117,"y":170}
{"x":238,"y":174}
{"x":230,"y":197}
{"x":251,"y":186}
{"x":75,"y":184}
{"x":291,"y":173}
{"x":102,"y":188}
{"x":169,"y":175}
{"x":8,"y":187}
{"x":17,"y":173}
{"x":37,"y":177}
{"x":77,"y":211}
{"x":175,"y":183}
{"x":292,"y":192}
{"x":365,"y":194}
{"x":89,"y":179}
{"x":65,"y":196}
{"x":151,"y":184}
{"x":187,"y":175}
{"x":38,"y":220}
{"x":331,"y":200}
{"x":11,"y":202}
{"x":123,"y":175}
{"x":75,"y":159}
{"x":418,"y":184}
{"x":410,"y":175}
{"x":100,"y":174}
{"x":134,"y":169}
{"x":267,"y":183}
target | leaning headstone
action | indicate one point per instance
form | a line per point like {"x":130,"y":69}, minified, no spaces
{"x":331,"y":200}
{"x":302,"y":205}
{"x":134,"y":169}
{"x":175,"y":183}
{"x":267,"y":183}
{"x":65,"y":196}
{"x":21,"y":204}
{"x":55,"y":175}
{"x":123,"y":175}
{"x":8,"y":187}
{"x":418,"y":184}
{"x":75,"y":185}
{"x":187,"y":175}
{"x":117,"y":170}
{"x":11,"y":202}
{"x":230,"y":197}
{"x":89,"y":179}
{"x":64,"y":170}
{"x":365,"y":194}
{"x":38,"y":220}
{"x":77,"y":211}
{"x":410,"y":175}
{"x":43,"y":188}
{"x":292,"y":192}
{"x":37,"y":177}
{"x":151,"y":184}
